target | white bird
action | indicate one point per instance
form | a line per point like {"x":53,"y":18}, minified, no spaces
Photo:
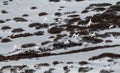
{"x":45,"y":19}
{"x":111,"y":26}
{"x":77,"y":35}
{"x":36,"y":47}
{"x":111,"y":65}
{"x":85,"y":44}
{"x":73,"y":36}
{"x":113,"y":38}
{"x":93,"y":34}
{"x":53,"y":16}
{"x":89,"y":23}
{"x":13,"y":35}
{"x":66,"y":42}
{"x":64,"y":1}
{"x":49,"y":27}
{"x":15,"y":47}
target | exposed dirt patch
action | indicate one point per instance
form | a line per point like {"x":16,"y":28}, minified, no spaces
{"x":55,"y":30}
{"x":28,"y":45}
{"x":5,"y":40}
{"x":39,"y":33}
{"x":5,"y":28}
{"x":4,"y":12}
{"x":2,"y":21}
{"x":58,"y":14}
{"x":20,"y":35}
{"x":43,"y":14}
{"x":83,"y":63}
{"x":38,"y":25}
{"x":20,"y":19}
{"x":17,"y":30}
{"x":84,"y":69}
{"x":111,"y":55}
{"x":25,"y":15}
{"x":54,"y":0}
{"x":92,"y":40}
{"x":57,"y":62}
{"x":33,"y":7}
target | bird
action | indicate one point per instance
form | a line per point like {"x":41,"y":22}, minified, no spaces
{"x":73,"y":36}
{"x":111,"y":65}
{"x":49,"y":27}
{"x":14,"y":35}
{"x":89,"y":23}
{"x":85,"y":44}
{"x":76,"y":36}
{"x":111,"y":26}
{"x":93,"y":34}
{"x":36,"y":47}
{"x":45,"y":19}
{"x":66,"y":41}
{"x":113,"y":38}
{"x":15,"y":47}
{"x":64,"y":1}
{"x":53,"y":16}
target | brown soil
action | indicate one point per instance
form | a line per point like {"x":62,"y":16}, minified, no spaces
{"x":111,"y":55}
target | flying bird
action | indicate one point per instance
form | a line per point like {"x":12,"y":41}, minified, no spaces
{"x":89,"y":23}
{"x":111,"y":26}
{"x":93,"y":34}
{"x":73,"y":36}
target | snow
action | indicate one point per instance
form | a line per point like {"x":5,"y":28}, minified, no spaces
{"x":17,"y":8}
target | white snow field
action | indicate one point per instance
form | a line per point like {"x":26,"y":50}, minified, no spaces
{"x":52,"y":36}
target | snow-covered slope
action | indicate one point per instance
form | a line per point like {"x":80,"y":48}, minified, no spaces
{"x":41,"y":36}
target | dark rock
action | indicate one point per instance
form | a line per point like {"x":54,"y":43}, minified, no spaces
{"x":28,"y":45}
